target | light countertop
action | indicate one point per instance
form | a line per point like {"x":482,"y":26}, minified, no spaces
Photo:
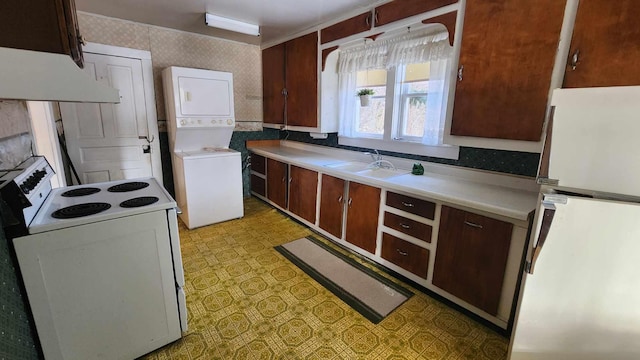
{"x":513,"y":197}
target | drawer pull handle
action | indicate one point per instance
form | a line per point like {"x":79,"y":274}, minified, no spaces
{"x":407,"y":204}
{"x":340,"y":198}
{"x":405,"y":226}
{"x":473,"y":224}
{"x":403,"y":253}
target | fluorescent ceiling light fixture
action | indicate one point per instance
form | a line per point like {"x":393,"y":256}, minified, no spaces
{"x":231,"y":25}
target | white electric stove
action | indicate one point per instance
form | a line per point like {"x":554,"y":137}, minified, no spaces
{"x":101,"y":264}
{"x":83,"y":204}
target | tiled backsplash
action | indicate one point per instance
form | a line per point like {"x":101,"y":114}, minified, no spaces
{"x":510,"y":162}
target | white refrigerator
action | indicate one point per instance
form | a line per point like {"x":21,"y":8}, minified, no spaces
{"x":580,"y":295}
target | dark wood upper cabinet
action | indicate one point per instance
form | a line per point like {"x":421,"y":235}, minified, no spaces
{"x":41,"y":25}
{"x":400,"y":9}
{"x":291,"y":68}
{"x":277,"y":182}
{"x":362,"y":216}
{"x":303,"y":187}
{"x":273,"y":68}
{"x":301,"y":80}
{"x":471,"y":257}
{"x":332,"y":205}
{"x":354,"y":25}
{"x":606,"y":43}
{"x":506,"y":59}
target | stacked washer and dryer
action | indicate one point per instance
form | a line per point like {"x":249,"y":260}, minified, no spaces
{"x":207,"y":175}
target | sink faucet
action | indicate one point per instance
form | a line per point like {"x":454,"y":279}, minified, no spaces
{"x":382,"y":164}
{"x":375,"y":156}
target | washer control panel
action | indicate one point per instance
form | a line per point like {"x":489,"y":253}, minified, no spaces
{"x":203,"y":122}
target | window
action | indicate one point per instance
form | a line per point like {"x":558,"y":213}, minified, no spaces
{"x":409,"y":77}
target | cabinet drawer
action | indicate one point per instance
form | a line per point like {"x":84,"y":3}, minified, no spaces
{"x":258,"y":185}
{"x":258,"y":163}
{"x":419,"y":207}
{"x":406,"y":255}
{"x":410,"y":227}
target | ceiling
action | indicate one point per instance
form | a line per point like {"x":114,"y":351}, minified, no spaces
{"x":277,"y":18}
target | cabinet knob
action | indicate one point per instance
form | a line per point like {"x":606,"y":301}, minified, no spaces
{"x":403,"y":253}
{"x":350,"y":201}
{"x":340,"y":199}
{"x":407,"y":204}
{"x":367,"y":20}
{"x":460,"y":71}
{"x":405,"y":226}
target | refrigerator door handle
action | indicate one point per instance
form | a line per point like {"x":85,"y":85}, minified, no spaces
{"x":547,"y":218}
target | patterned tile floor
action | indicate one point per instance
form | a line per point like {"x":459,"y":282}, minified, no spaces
{"x":246,"y":301}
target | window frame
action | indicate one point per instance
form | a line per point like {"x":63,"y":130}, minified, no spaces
{"x":390,"y":139}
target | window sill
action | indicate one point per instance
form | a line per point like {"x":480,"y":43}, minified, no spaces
{"x":441,"y":151}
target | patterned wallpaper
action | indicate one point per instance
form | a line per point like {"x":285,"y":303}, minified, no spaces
{"x":15,"y":137}
{"x":176,"y":48}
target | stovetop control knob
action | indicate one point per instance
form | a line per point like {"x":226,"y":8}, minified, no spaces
{"x":229,"y":121}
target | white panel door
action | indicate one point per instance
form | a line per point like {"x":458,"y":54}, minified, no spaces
{"x":108,"y":141}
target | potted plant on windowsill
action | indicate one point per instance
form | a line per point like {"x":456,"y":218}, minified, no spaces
{"x":365,"y":95}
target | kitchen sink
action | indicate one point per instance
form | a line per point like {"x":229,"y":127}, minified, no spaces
{"x":366,"y":169}
{"x":382,"y":173}
{"x":349,"y":166}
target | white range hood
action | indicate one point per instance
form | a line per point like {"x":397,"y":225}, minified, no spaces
{"x":43,"y":76}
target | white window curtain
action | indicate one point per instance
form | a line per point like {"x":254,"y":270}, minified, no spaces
{"x":406,"y":49}
{"x":436,"y":102}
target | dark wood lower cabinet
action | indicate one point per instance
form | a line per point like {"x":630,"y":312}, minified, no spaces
{"x":331,"y":205}
{"x":362,"y":216}
{"x":410,"y":227}
{"x":277,"y":182}
{"x":471,"y":257}
{"x":303,"y":187}
{"x":258,"y":185}
{"x":408,"y":256}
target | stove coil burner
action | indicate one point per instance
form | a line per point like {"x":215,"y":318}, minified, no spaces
{"x":80,"y":192}
{"x":80,"y":210}
{"x":139,"y":201}
{"x":128,"y":186}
